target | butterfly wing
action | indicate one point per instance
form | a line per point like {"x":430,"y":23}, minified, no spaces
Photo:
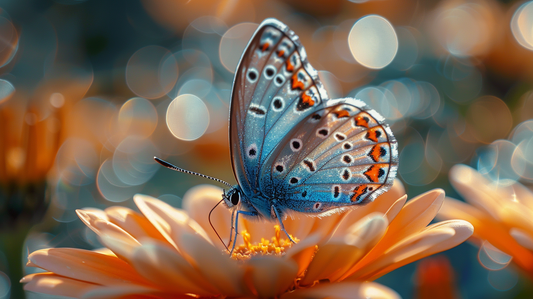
{"x":274,"y":89}
{"x":341,"y":155}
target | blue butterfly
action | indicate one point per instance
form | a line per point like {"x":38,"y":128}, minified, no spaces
{"x":293,"y":149}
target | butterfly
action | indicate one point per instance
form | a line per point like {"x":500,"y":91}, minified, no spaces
{"x":293,"y":149}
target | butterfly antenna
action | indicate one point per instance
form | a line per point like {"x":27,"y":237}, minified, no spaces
{"x":176,"y":168}
{"x":213,"y":227}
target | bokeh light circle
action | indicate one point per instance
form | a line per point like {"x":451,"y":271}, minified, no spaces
{"x":6,"y":90}
{"x":187,"y":117}
{"x":522,"y":25}
{"x":233,"y":43}
{"x":151,"y":72}
{"x":373,"y":42}
{"x":137,"y":116}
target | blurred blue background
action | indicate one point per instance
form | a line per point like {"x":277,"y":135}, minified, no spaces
{"x":91,"y":90}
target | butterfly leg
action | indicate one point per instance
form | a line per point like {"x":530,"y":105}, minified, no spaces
{"x":237,"y":227}
{"x":281,"y":224}
{"x":232,"y":226}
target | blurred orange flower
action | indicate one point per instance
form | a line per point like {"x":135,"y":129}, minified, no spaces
{"x":501,"y":215}
{"x":434,"y":279}
{"x":171,"y":253}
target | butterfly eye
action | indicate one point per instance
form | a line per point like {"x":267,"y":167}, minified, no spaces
{"x":235,"y":197}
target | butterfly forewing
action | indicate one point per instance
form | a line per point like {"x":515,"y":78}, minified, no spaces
{"x":274,"y":89}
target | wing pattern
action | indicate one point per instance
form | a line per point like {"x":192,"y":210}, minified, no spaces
{"x":290,"y":143}
{"x":341,"y":155}
{"x":274,"y":88}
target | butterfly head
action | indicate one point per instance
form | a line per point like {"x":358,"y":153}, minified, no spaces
{"x":233,"y":197}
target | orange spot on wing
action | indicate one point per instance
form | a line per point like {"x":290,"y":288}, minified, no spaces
{"x":265,"y":47}
{"x":280,"y":53}
{"x":377,"y":152}
{"x":342,"y":113}
{"x":361,"y":121}
{"x":307,"y":99}
{"x":290,"y":66}
{"x":358,"y":192}
{"x":374,"y":173}
{"x":373,"y":134}
{"x":296,"y":83}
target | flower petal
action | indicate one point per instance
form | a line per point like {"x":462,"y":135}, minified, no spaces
{"x":436,"y":238}
{"x":487,"y":228}
{"x":342,"y":290}
{"x":498,"y":201}
{"x":120,"y":244}
{"x":170,"y":222}
{"x":86,"y":265}
{"x":219,"y":270}
{"x":52,"y":284}
{"x":129,"y":291}
{"x":338,"y":255}
{"x":166,"y":268}
{"x":198,"y":202}
{"x":271,"y":276}
{"x":303,"y":252}
{"x":522,"y":238}
{"x":134,"y":223}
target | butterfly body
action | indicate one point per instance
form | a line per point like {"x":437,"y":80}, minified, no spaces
{"x":294,"y":149}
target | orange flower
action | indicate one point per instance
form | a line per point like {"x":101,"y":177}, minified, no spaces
{"x":171,"y":253}
{"x":500,"y":215}
{"x":434,"y":279}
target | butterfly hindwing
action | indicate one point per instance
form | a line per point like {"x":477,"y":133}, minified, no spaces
{"x":274,"y":88}
{"x":343,"y":154}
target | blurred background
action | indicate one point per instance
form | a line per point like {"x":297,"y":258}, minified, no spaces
{"x":91,"y":90}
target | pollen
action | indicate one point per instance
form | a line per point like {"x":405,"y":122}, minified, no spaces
{"x":276,"y":246}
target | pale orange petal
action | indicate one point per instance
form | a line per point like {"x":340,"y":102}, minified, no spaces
{"x":436,"y":238}
{"x":270,"y":276}
{"x":86,"y":265}
{"x":134,"y":223}
{"x":166,"y":268}
{"x":476,"y":189}
{"x":198,"y":202}
{"x":415,"y":215}
{"x":52,"y":284}
{"x":129,"y":292}
{"x":500,"y":202}
{"x":344,"y":290}
{"x":221,"y":271}
{"x":303,"y":252}
{"x":170,"y":222}
{"x":524,"y":195}
{"x":339,"y":254}
{"x":395,"y":208}
{"x":89,"y":215}
{"x":522,"y":238}
{"x":120,"y":244}
{"x":486,"y":228}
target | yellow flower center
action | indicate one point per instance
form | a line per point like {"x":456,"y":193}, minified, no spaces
{"x":275,"y":246}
